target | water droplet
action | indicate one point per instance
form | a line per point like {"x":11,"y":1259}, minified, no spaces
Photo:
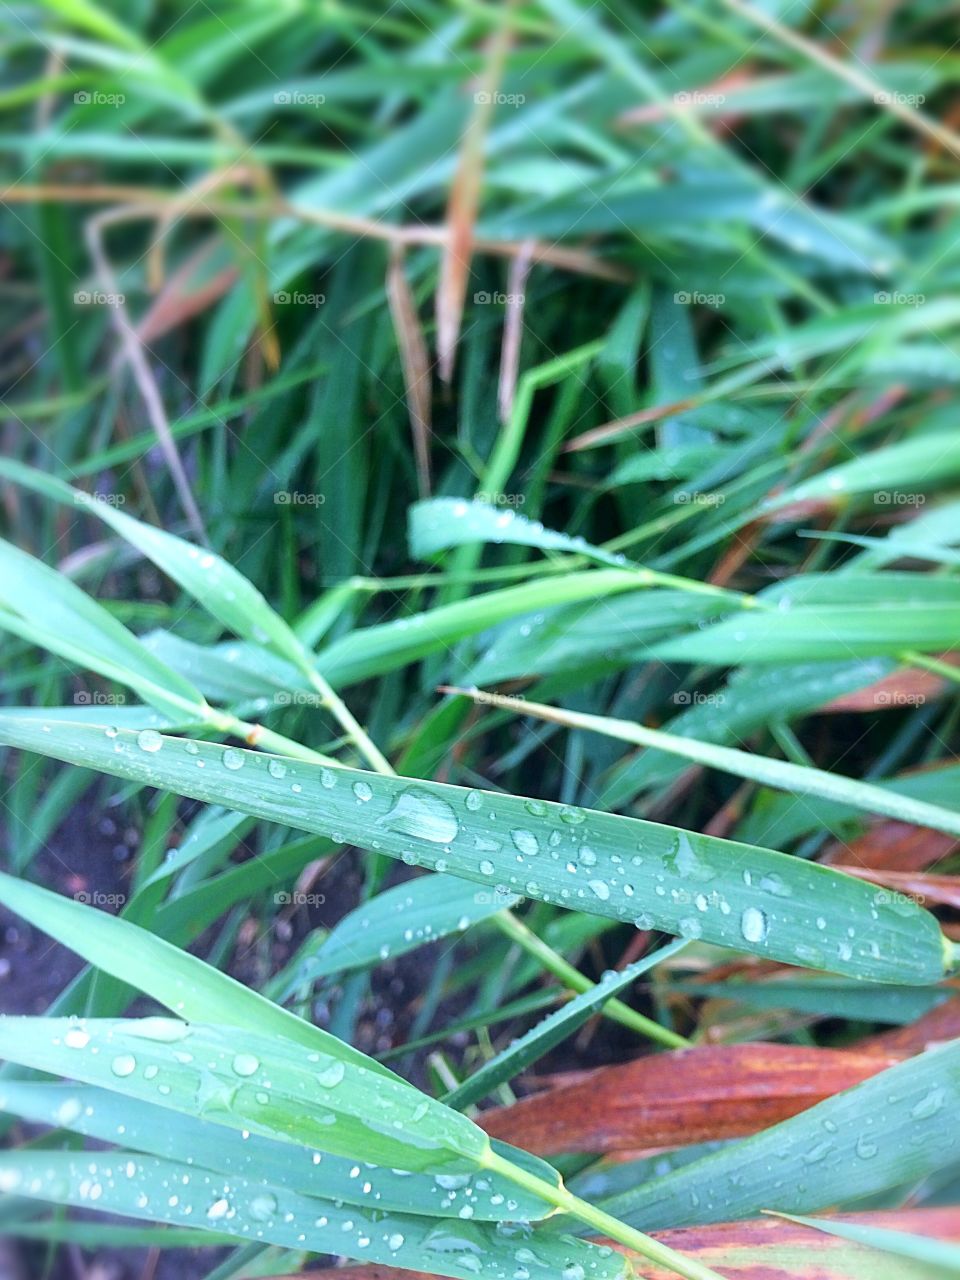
{"x":263,"y":1206}
{"x":246,"y":1064}
{"x":474,"y":800}
{"x":219,"y":1209}
{"x":487,"y":868}
{"x":329,"y":1077}
{"x":328,"y":778}
{"x":753,"y":924}
{"x":363,"y":791}
{"x":601,"y":889}
{"x":276,"y":768}
{"x":149,"y":740}
{"x":395,"y":1241}
{"x":124,"y":1064}
{"x":420,"y":813}
{"x":526,"y":842}
{"x":76,"y":1039}
{"x":233,"y":758}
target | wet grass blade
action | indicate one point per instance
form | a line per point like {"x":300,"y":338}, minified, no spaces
{"x":136,"y":1186}
{"x":893,"y":1129}
{"x":657,"y":876}
{"x":553,"y":1030}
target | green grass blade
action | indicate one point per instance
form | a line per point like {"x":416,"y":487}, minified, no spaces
{"x":554,"y":1028}
{"x":893,"y":1129}
{"x":658,"y":876}
{"x":249,"y":1208}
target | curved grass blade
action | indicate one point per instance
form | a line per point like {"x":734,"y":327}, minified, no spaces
{"x":657,"y":876}
{"x":395,"y":922}
{"x":783,"y":775}
{"x":160,"y":1131}
{"x":44,"y":607}
{"x":265,"y":1085}
{"x":438,"y":524}
{"x":554,"y":1029}
{"x":895,"y":1128}
{"x":153,"y":1190}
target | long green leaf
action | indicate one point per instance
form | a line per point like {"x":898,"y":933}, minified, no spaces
{"x":737,"y":895}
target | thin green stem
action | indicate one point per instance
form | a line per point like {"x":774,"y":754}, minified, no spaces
{"x":571,"y":977}
{"x":601,"y":1222}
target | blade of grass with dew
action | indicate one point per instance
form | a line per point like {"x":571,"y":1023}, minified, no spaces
{"x":107,"y":1116}
{"x":892,"y":1130}
{"x":657,"y":876}
{"x":250,"y":1208}
{"x":553,"y":1030}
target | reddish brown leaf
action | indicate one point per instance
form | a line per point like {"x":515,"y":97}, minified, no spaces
{"x":927,"y":890}
{"x":692,"y":1095}
{"x":905,"y":687}
{"x":893,"y":846}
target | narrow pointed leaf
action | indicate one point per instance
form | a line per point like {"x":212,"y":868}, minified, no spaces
{"x":657,"y":876}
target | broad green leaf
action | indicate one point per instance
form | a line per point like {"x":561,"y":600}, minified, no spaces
{"x":441,"y":523}
{"x":215,"y":584}
{"x":44,"y":607}
{"x":395,"y":922}
{"x":267,"y":1085}
{"x":157,"y":1130}
{"x":657,"y":876}
{"x":919,"y":464}
{"x":136,"y":1186}
{"x":893,"y":1129}
{"x":832,"y":616}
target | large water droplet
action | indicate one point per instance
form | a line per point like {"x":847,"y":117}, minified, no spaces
{"x":753,"y":924}
{"x":246,"y":1064}
{"x":422,"y":814}
{"x":233,"y":758}
{"x":149,"y":740}
{"x":329,"y":1077}
{"x":124,"y":1064}
{"x":526,"y":842}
